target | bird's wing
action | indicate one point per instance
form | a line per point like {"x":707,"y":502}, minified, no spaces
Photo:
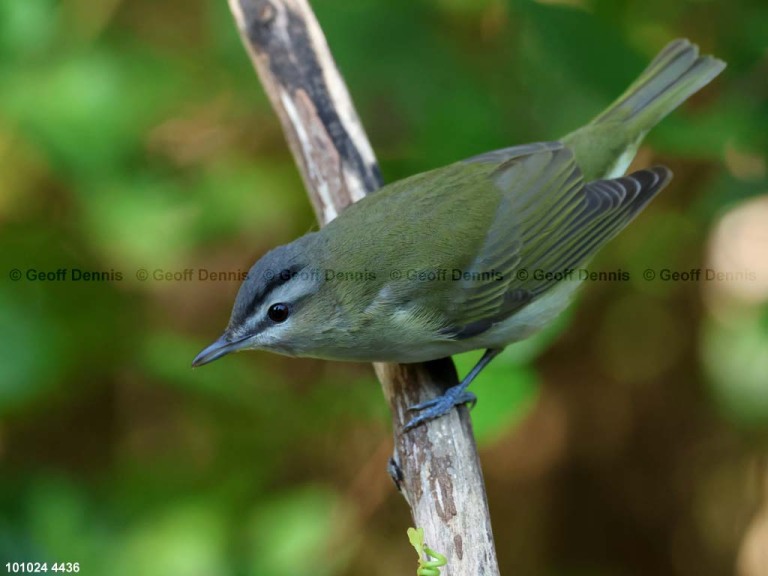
{"x":504,"y":154}
{"x":548,"y":221}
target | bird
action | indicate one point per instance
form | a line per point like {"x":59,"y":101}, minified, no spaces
{"x":474,"y":255}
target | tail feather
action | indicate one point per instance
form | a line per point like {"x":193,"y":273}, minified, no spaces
{"x":605,"y":147}
{"x":671,"y":78}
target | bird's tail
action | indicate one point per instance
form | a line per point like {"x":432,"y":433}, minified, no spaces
{"x":670,"y":79}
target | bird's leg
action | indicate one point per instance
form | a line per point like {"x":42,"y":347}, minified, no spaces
{"x":454,"y":396}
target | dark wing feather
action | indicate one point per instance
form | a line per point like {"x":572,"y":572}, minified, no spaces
{"x":547,"y":220}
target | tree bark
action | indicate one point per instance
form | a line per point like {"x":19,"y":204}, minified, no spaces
{"x":436,"y":465}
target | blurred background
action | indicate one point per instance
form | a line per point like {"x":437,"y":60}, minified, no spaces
{"x":136,"y":143}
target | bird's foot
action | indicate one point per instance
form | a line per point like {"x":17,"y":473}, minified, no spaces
{"x":431,"y":409}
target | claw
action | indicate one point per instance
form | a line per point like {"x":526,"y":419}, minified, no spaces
{"x":455,"y":396}
{"x":424,"y":405}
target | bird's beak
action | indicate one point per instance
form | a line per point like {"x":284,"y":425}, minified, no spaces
{"x":220,"y":348}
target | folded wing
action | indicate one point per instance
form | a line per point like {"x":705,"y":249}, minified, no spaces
{"x":548,"y":221}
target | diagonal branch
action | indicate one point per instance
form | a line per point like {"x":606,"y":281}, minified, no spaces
{"x":435,"y":466}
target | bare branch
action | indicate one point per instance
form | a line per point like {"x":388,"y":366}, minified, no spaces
{"x":436,"y":465}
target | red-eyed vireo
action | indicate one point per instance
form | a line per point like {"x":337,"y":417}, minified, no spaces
{"x":471,"y":256}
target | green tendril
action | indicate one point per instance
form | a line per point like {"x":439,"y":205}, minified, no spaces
{"x":427,"y":567}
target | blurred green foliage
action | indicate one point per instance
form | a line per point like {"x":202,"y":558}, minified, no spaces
{"x":134,"y":136}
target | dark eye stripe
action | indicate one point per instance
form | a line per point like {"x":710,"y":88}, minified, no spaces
{"x":274,"y":281}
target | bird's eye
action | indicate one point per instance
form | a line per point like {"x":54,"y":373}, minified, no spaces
{"x":278,"y":312}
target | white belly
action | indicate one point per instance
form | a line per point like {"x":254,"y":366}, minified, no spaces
{"x":519,"y":326}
